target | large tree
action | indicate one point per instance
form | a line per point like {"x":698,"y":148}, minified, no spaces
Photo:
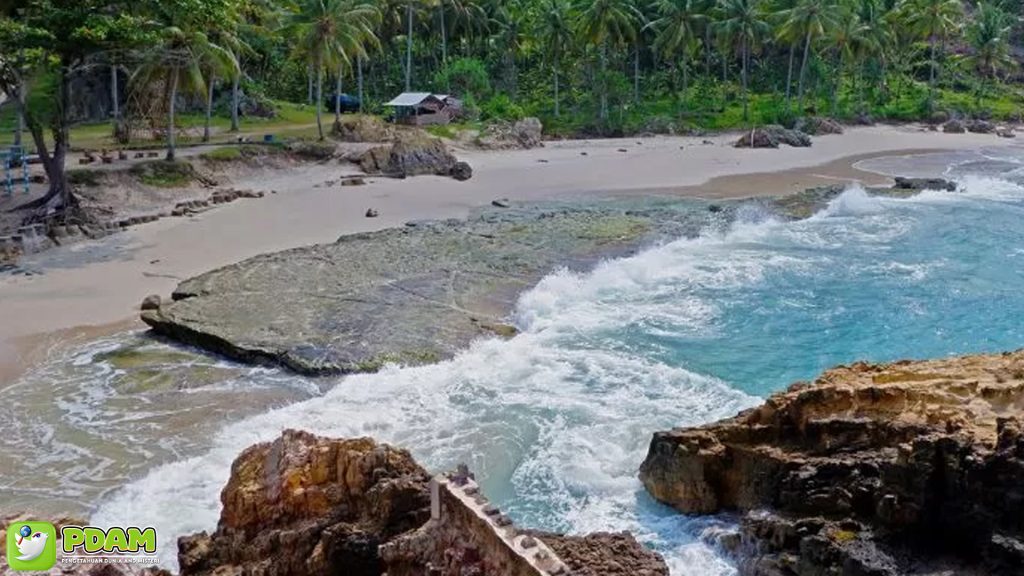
{"x":63,"y":40}
{"x":744,"y":26}
{"x":557,"y":37}
{"x":678,"y":28}
{"x":809,"y":20}
{"x":934,"y":20}
{"x":329,"y":33}
{"x":605,"y":24}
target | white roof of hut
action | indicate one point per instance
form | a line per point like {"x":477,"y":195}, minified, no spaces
{"x":411,"y":99}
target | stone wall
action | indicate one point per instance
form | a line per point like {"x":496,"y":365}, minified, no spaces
{"x":465,"y":532}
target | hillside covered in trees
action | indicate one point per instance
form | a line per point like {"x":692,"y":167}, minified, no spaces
{"x":584,"y":67}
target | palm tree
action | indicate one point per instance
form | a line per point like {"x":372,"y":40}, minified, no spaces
{"x":743,"y":25}
{"x":226,"y":39}
{"x":604,"y":22}
{"x":847,"y":39}
{"x":677,"y":30}
{"x":989,"y":36}
{"x":328,"y":33}
{"x":934,"y":20}
{"x":788,"y":36}
{"x":808,"y":19}
{"x":556,"y":34}
{"x":179,"y":59}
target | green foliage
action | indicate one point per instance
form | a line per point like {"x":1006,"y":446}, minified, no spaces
{"x":501,"y":107}
{"x":466,"y":77}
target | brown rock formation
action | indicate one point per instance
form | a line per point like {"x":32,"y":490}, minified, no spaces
{"x":304,"y":505}
{"x":309,"y":506}
{"x":872,"y":466}
{"x":605,"y":554}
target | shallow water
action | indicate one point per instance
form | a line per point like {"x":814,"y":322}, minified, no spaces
{"x":556,"y":421}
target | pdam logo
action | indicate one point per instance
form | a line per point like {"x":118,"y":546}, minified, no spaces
{"x":31,"y":546}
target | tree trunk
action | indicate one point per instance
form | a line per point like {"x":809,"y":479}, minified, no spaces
{"x":309,"y":84}
{"x":931,"y":76}
{"x":837,"y":84}
{"x":803,"y":71}
{"x":171,"y":135}
{"x":319,"y":98}
{"x":115,"y":112}
{"x":337,"y":94}
{"x":557,"y":106}
{"x":58,"y":199}
{"x":604,"y":81}
{"x":408,"y":51}
{"x":209,"y":108}
{"x":235,"y":102}
{"x":19,"y":121}
{"x":359,"y":66}
{"x":789,"y":75}
{"x":686,"y":80}
{"x":743,"y":57}
{"x":636,"y":75}
{"x":707,"y":51}
{"x":444,"y":43}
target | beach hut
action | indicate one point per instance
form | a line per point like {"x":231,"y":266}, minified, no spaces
{"x":420,"y":109}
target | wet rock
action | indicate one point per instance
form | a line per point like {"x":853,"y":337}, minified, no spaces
{"x":605,"y":554}
{"x":772,"y":136}
{"x":885,"y":467}
{"x":372,"y":213}
{"x":151,"y":302}
{"x":501,"y":203}
{"x":1005,"y":132}
{"x":954,"y":126}
{"x":354,"y":181}
{"x":305,"y":505}
{"x":391,"y":290}
{"x":920,"y":184}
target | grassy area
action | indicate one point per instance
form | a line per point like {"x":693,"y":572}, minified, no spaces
{"x":164,"y":174}
{"x":292,"y":121}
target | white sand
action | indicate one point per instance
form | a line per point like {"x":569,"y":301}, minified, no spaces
{"x":165,"y":252}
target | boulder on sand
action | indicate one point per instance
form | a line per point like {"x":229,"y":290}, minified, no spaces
{"x":954,"y":126}
{"x":875,"y":469}
{"x":978,"y":126}
{"x":524,"y":134}
{"x":413,"y":155}
{"x":817,"y":126}
{"x":771,"y":136}
{"x":462,"y":171}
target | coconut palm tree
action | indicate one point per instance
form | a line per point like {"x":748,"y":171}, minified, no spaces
{"x":743,"y":25}
{"x":179,"y":59}
{"x":603,"y":23}
{"x":989,"y":36}
{"x":677,"y":30}
{"x":808,"y":19}
{"x":329,"y":33}
{"x":933,"y":20}
{"x":557,"y":37}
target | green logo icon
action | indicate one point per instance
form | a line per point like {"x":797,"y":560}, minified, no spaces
{"x":31,"y":546}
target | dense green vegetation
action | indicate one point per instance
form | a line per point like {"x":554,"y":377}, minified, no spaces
{"x":582,"y":66}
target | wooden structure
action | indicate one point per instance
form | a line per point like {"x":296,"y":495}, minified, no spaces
{"x":420,"y":109}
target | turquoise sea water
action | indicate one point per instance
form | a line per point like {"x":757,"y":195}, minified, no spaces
{"x":556,"y":421}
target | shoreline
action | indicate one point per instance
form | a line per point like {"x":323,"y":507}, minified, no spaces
{"x":98,"y":293}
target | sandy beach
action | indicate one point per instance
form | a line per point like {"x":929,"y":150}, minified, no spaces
{"x":93,"y":288}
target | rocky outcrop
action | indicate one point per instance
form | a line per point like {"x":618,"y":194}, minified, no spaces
{"x":409,"y":156}
{"x":921,"y":184}
{"x":954,"y":126}
{"x":523,"y":134}
{"x":979,"y":126}
{"x":605,"y":554}
{"x":410,"y":295}
{"x":310,"y":506}
{"x":305,"y":506}
{"x":817,"y":126}
{"x":872,"y":469}
{"x":771,"y":136}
